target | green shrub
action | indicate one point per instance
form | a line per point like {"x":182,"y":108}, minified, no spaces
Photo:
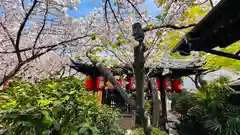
{"x":155,"y":131}
{"x":59,"y":106}
{"x":207,"y":112}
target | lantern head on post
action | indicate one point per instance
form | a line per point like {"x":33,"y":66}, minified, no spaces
{"x":138,"y":32}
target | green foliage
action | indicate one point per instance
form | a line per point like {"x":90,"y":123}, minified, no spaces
{"x":195,"y":13}
{"x":155,"y":131}
{"x":51,"y":106}
{"x":207,"y":111}
{"x":181,"y":102}
{"x":148,"y":107}
{"x":94,"y":36}
{"x":214,"y":61}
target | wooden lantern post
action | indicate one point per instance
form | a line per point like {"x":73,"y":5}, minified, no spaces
{"x":138,"y":34}
{"x":139,"y":62}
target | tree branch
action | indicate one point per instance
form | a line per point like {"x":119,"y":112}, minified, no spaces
{"x":115,"y":17}
{"x":22,"y":2}
{"x":39,"y":33}
{"x":105,"y":14}
{"x":201,"y":3}
{"x":136,"y":10}
{"x":151,"y":47}
{"x":20,"y":64}
{"x":211,"y":3}
{"x":169,"y":26}
{"x":195,"y":82}
{"x":117,"y":56}
{"x":209,"y":71}
{"x":19,"y":33}
{"x":8,"y":34}
{"x":47,"y":46}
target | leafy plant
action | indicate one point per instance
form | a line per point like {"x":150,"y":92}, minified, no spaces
{"x":207,"y":111}
{"x":60,"y":106}
{"x":155,"y":131}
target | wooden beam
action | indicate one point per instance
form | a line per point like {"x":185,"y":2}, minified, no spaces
{"x":219,"y":53}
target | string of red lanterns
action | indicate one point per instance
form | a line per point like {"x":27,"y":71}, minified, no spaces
{"x":170,"y":85}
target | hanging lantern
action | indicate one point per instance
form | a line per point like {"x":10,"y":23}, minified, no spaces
{"x":100,"y":82}
{"x":89,"y":83}
{"x":177,"y":85}
{"x":132,"y":83}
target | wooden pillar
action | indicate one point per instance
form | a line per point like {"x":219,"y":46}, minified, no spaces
{"x":155,"y":104}
{"x":164,"y":104}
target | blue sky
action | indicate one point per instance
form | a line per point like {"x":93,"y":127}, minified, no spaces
{"x":1,"y":10}
{"x":86,"y":6}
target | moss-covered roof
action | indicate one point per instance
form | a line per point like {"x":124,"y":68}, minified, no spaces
{"x":175,"y":67}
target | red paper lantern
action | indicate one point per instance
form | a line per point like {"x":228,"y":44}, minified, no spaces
{"x":166,"y":84}
{"x":5,"y":83}
{"x":132,"y":83}
{"x":89,"y":83}
{"x":177,"y":85}
{"x":100,"y":82}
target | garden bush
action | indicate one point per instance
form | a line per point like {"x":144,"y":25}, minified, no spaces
{"x":54,"y":107}
{"x":155,"y":131}
{"x":207,"y":112}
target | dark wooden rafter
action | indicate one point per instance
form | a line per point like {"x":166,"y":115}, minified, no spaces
{"x":228,"y":55}
{"x":219,"y":28}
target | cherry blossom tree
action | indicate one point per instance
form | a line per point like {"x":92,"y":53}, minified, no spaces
{"x":31,"y":29}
